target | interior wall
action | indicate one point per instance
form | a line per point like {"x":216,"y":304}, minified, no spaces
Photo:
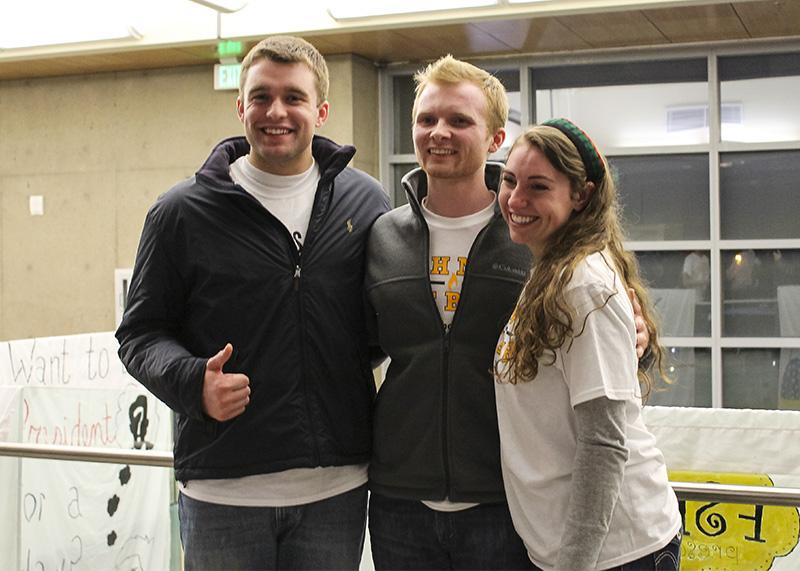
{"x":100,"y":148}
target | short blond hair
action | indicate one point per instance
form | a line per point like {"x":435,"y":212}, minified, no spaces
{"x":289,"y":49}
{"x":449,"y":70}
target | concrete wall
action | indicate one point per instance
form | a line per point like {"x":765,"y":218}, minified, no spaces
{"x":99,"y":149}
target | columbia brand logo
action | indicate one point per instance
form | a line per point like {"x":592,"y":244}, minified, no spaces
{"x":509,"y":270}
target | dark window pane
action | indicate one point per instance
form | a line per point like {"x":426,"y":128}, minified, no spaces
{"x":689,"y":373}
{"x":397,"y":193}
{"x":761,"y":293}
{"x":679,"y":290}
{"x":760,"y":378}
{"x":663,"y":197}
{"x":595,"y":75}
{"x":508,"y":77}
{"x":403,"y":104}
{"x":760,"y":195}
{"x":755,"y":66}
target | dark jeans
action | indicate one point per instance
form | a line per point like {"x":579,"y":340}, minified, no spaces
{"x":406,"y":534}
{"x":328,"y":534}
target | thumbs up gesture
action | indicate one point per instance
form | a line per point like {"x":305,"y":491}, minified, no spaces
{"x":225,"y":395}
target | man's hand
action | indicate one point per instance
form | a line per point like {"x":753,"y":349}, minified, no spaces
{"x":642,"y":334}
{"x":225,"y":395}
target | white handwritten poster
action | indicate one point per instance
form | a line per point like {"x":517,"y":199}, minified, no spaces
{"x":63,"y":515}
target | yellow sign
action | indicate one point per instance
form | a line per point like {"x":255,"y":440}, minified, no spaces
{"x":731,"y":537}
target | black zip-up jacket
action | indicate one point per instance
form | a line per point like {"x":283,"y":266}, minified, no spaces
{"x":213,"y":267}
{"x":435,"y":422}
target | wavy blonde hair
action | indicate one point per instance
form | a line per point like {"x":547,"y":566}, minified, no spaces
{"x":450,"y":71}
{"x":545,"y":321}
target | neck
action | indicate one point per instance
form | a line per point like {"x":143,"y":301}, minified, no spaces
{"x":456,"y":198}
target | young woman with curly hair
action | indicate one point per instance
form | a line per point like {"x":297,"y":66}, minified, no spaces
{"x":586,"y":485}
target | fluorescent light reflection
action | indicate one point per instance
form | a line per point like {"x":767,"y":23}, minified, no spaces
{"x":44,"y":23}
{"x":344,"y":9}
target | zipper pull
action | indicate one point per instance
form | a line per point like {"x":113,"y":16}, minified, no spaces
{"x":296,"y":277}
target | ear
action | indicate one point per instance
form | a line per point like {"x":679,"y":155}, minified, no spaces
{"x":322,"y":113}
{"x":581,"y":198}
{"x":497,"y":140}
{"x":240,"y":108}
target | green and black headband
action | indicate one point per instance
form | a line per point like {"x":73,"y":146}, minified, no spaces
{"x":595,"y":169}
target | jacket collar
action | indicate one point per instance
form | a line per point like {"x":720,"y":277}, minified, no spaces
{"x":215,"y":171}
{"x":415,"y":184}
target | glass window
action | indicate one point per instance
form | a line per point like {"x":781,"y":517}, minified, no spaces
{"x":663,"y":197}
{"x":514,"y":127}
{"x":761,"y":378}
{"x":689,"y":373}
{"x":654,"y":103}
{"x":761,"y":293}
{"x":398,"y":195}
{"x":759,"y":97}
{"x":759,"y":187}
{"x":403,"y":105}
{"x":679,"y":288}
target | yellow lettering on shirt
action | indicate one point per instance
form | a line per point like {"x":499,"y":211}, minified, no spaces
{"x":439,"y":265}
{"x":451,"y":300}
{"x":462,"y":265}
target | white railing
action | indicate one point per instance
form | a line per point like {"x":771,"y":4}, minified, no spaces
{"x":690,"y":491}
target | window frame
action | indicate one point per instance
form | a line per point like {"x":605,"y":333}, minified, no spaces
{"x":714,"y":148}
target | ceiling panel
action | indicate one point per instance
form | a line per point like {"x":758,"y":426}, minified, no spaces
{"x":698,"y":23}
{"x":380,"y":46}
{"x":534,"y":35}
{"x":459,"y":39}
{"x":614,"y":29}
{"x":773,"y":18}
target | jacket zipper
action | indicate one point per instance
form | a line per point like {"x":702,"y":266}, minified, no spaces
{"x":447,"y":332}
{"x":296,"y":278}
{"x":296,"y":286}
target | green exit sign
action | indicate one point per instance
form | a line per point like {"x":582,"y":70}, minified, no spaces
{"x":226,"y":76}
{"x":229,"y":48}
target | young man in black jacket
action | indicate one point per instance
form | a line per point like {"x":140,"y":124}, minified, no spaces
{"x":245,"y":316}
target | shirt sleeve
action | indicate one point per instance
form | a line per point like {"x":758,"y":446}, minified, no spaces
{"x":600,"y":360}
{"x":596,"y":482}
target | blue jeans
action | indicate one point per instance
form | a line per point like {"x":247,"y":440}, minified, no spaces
{"x":406,"y":534}
{"x":328,"y":534}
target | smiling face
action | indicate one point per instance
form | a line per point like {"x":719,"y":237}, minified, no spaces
{"x":537,"y":199}
{"x":451,"y":136}
{"x":280,"y":111}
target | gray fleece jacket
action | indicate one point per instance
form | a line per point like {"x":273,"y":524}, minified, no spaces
{"x":435,"y":423}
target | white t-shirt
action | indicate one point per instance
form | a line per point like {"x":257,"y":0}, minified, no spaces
{"x":450,"y":242}
{"x":538,"y":431}
{"x":290,"y":199}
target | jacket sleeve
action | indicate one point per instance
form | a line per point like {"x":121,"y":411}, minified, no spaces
{"x":149,"y":335}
